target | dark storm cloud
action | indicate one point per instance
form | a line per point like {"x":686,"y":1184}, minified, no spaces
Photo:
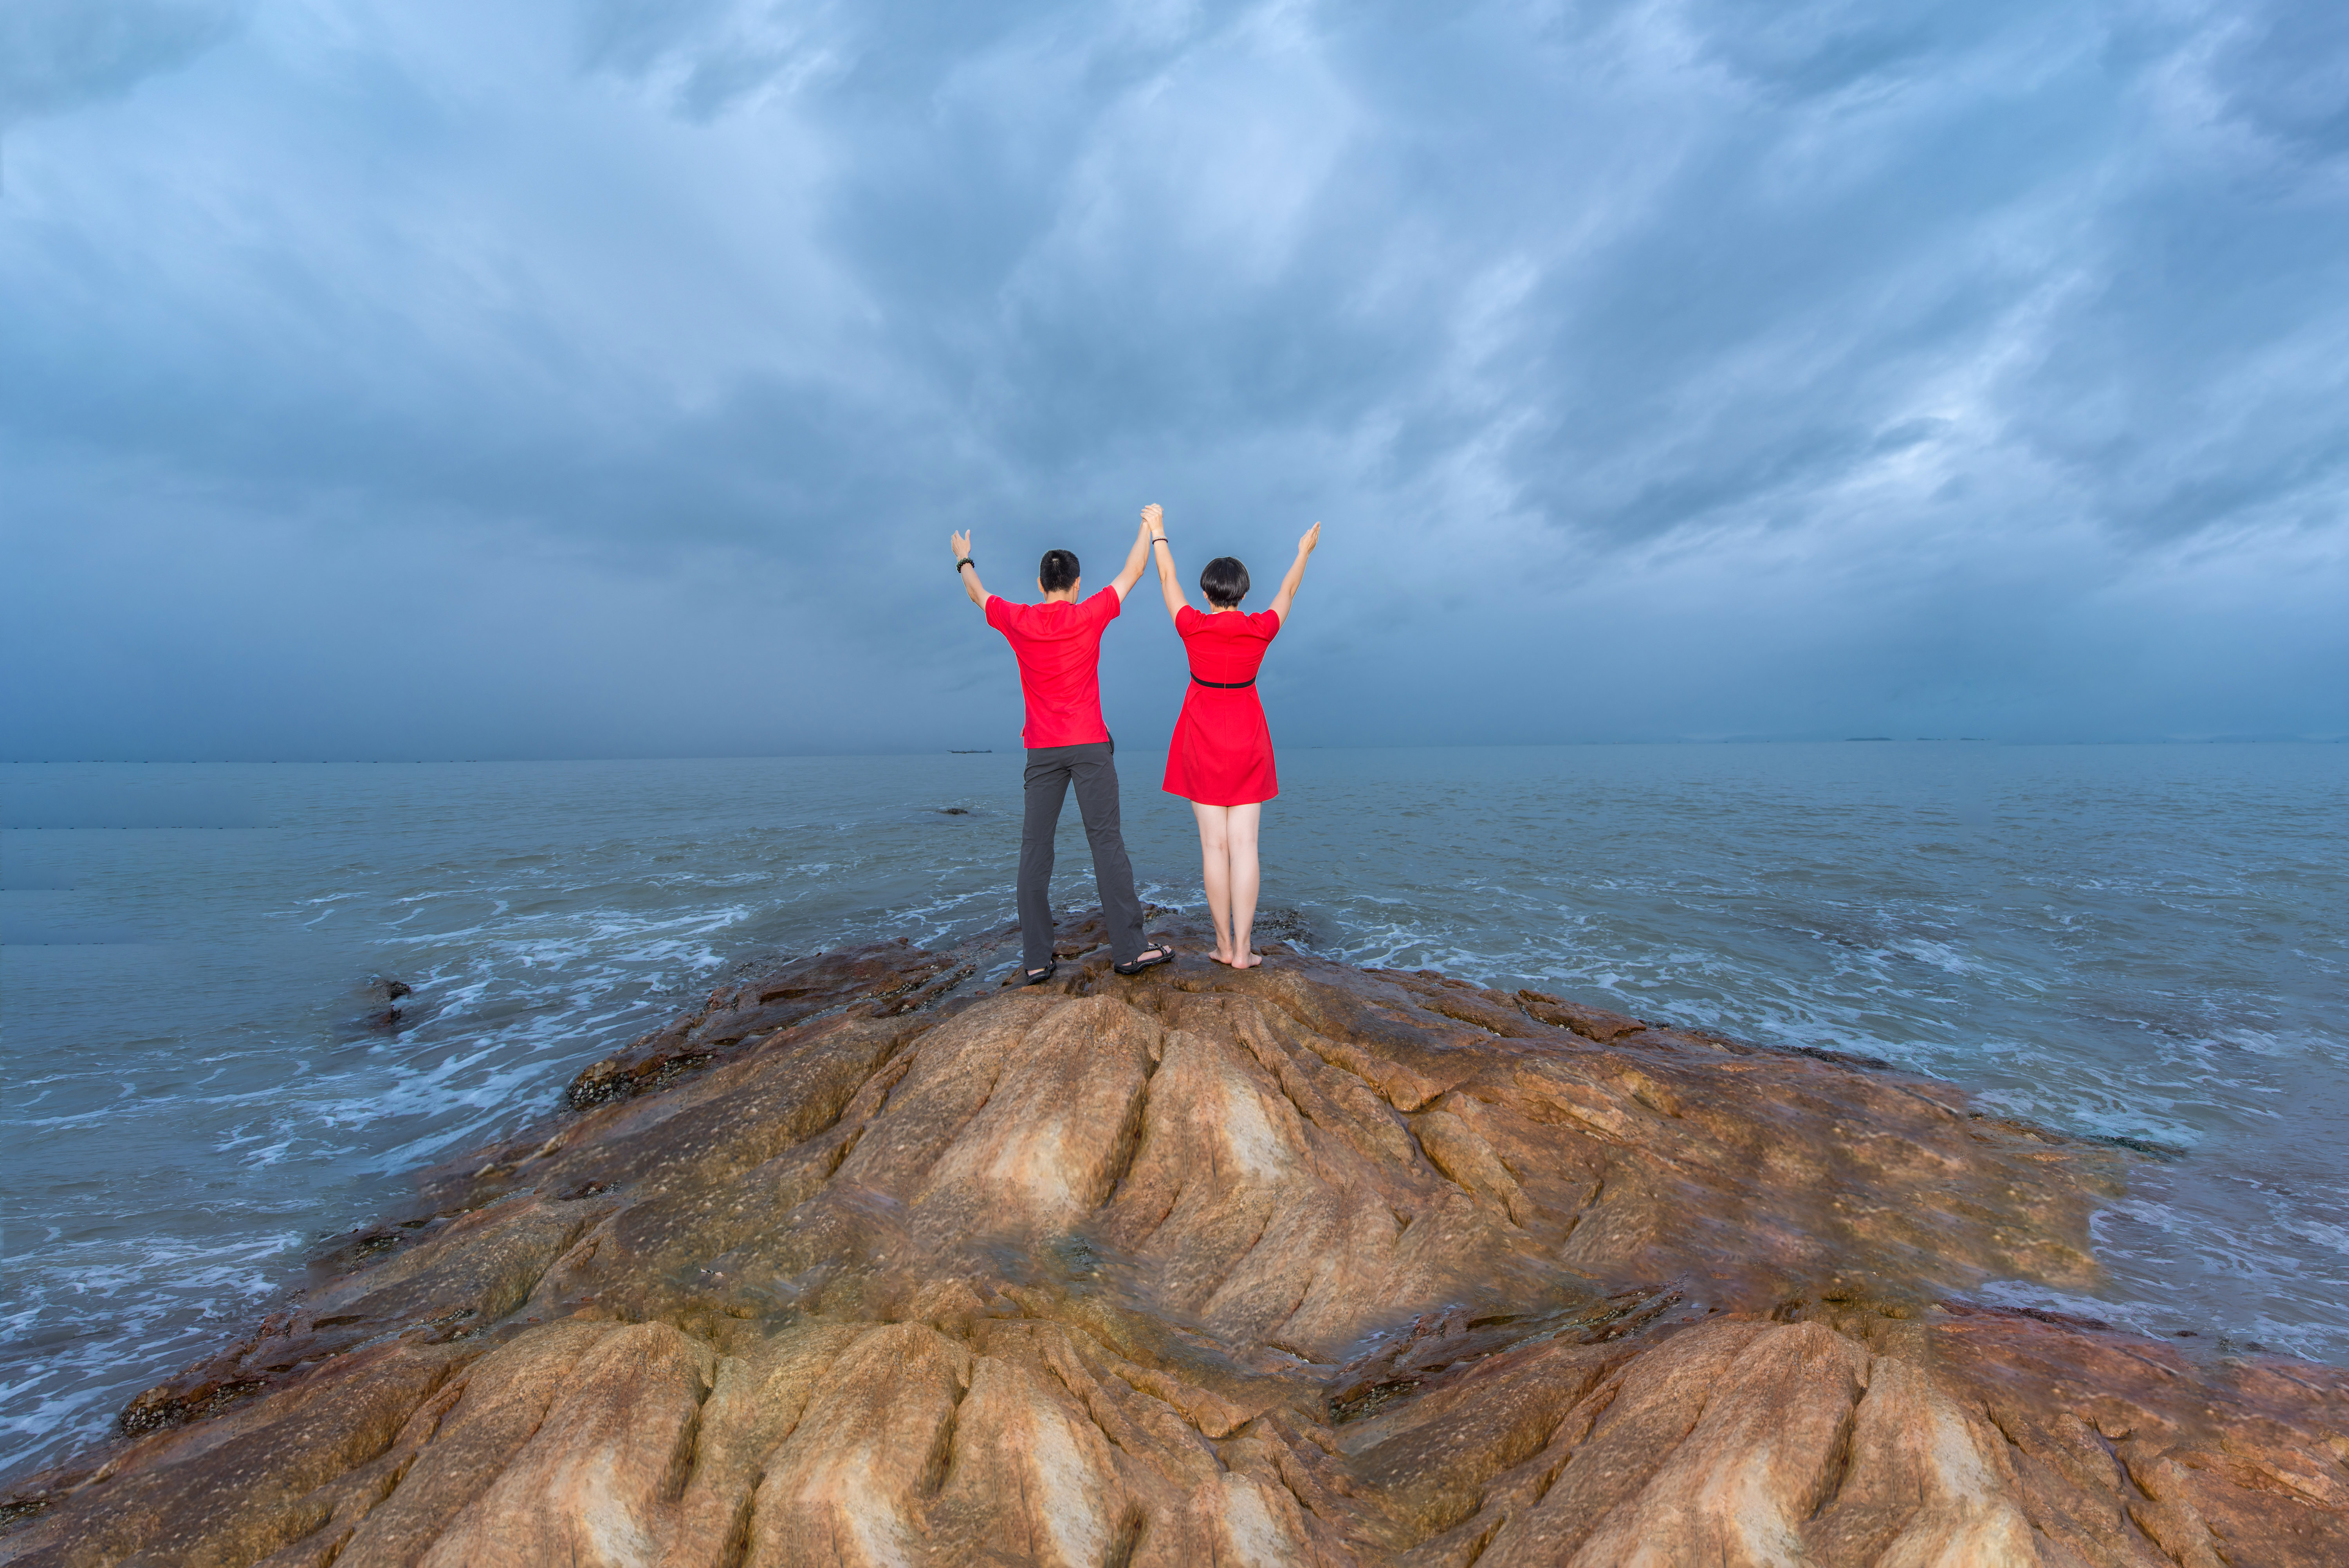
{"x":59,"y":55}
{"x":2283,"y":74}
{"x":606,"y":377}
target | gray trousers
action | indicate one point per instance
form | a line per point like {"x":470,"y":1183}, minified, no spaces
{"x":1050,"y":771}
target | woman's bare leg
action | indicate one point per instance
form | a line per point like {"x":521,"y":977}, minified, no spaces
{"x":1215,"y":870}
{"x":1239,"y":836}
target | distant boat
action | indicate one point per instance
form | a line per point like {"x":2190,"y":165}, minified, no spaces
{"x":989,"y":753}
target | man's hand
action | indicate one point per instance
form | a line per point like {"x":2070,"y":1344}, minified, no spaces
{"x":1154,"y":520}
{"x":969,"y":574}
{"x":1136,"y":558}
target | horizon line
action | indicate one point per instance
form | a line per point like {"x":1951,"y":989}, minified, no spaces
{"x":2304,"y":740}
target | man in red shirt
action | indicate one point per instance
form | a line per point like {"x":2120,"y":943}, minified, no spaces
{"x":1059,"y":647}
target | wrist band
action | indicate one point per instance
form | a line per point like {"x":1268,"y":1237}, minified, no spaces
{"x":1160,"y":539}
{"x":966,"y":561}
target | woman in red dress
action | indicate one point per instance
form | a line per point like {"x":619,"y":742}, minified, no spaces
{"x":1220,"y":759}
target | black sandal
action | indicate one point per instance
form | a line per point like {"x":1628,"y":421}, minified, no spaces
{"x":1039,"y":976}
{"x":1165,"y":955}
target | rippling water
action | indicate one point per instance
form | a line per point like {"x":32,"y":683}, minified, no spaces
{"x":2140,"y":942}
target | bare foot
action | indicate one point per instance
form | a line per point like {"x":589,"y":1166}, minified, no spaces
{"x":1223,"y":958}
{"x":1246,"y":960}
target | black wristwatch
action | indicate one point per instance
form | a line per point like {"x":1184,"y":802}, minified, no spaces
{"x":966,"y":561}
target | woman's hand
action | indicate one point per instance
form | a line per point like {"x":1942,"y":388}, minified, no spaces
{"x":1290,"y":585}
{"x":1153,"y":524}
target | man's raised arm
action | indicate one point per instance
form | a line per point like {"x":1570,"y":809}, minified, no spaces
{"x":1135,"y":559}
{"x":968,"y":572}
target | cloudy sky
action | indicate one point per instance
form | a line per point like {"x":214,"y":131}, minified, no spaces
{"x":598,"y":377}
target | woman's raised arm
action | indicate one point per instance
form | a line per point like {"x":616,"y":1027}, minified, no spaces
{"x":1289,"y":584}
{"x":1154,"y":517}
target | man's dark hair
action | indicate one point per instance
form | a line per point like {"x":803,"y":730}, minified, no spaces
{"x":1059,"y":571}
{"x":1224,"y":582}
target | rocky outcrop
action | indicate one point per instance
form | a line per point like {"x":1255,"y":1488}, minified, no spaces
{"x":867,"y":1261}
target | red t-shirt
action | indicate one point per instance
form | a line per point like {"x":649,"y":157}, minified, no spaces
{"x":1058,"y":645}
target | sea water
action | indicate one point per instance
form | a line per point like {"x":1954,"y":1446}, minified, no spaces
{"x":2146,"y":943}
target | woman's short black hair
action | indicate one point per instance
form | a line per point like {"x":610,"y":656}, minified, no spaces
{"x":1224,"y":582}
{"x":1058,"y":571}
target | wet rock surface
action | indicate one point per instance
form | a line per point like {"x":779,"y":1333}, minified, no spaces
{"x":874,"y":1259}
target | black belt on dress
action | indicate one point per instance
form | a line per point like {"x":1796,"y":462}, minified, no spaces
{"x":1226,"y":685}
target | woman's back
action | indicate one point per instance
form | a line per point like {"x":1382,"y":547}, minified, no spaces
{"x":1227,"y":647}
{"x":1220,"y":756}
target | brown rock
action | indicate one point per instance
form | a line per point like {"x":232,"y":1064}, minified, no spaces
{"x":1302,"y":1264}
{"x":599,"y":1481}
{"x":885,"y":978}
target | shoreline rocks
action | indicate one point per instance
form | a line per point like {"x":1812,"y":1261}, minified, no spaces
{"x":868,"y":1260}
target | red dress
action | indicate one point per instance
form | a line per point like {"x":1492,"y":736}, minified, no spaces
{"x":1222,"y":752}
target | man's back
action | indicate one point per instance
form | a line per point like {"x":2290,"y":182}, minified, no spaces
{"x":1057,"y":644}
